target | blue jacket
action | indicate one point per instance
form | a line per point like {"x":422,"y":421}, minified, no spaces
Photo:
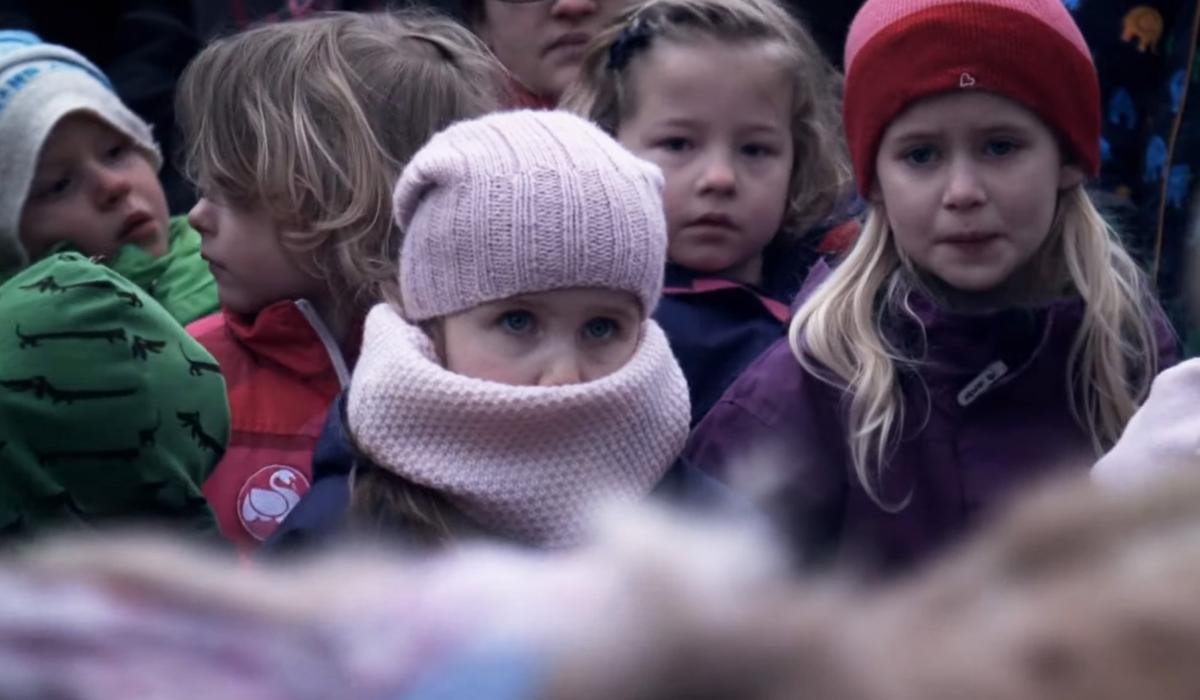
{"x":717,"y":327}
{"x":321,"y":515}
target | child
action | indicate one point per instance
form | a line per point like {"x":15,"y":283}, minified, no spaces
{"x":525,"y":379}
{"x":540,"y":43}
{"x":750,"y":190}
{"x":79,"y":171}
{"x":109,"y":412}
{"x":296,"y":133}
{"x":987,"y":328}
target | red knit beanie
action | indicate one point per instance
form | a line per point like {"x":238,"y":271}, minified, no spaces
{"x":1030,"y":51}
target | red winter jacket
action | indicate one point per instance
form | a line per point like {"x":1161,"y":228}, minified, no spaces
{"x":283,"y":369}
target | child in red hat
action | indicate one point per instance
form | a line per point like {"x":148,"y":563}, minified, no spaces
{"x":987,"y":328}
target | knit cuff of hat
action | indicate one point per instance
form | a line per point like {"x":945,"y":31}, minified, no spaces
{"x":40,"y":84}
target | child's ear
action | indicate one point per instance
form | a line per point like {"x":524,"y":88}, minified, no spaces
{"x":1070,"y":175}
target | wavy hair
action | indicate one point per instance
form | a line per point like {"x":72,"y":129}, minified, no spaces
{"x":315,"y":119}
{"x":836,"y":334}
{"x":820,"y":174}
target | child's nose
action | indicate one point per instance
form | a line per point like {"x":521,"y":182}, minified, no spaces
{"x":562,"y":369}
{"x":573,"y":8}
{"x":718,"y":176}
{"x":200,"y":215}
{"x":111,"y":186}
{"x":964,"y":188}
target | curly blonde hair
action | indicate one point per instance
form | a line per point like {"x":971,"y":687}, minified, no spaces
{"x":314,"y":119}
{"x":1112,"y":361}
{"x":820,"y":175}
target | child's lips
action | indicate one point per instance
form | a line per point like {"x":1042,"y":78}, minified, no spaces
{"x":970,"y":237}
{"x":138,"y":227}
{"x":713,"y":220}
{"x":213,"y":265}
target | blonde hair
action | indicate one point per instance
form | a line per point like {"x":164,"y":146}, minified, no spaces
{"x":314,"y":119}
{"x":1112,"y":359}
{"x":820,"y":173}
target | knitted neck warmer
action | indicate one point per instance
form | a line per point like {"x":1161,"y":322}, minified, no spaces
{"x":525,"y":462}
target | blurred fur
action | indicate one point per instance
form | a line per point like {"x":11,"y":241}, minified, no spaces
{"x":1074,"y":594}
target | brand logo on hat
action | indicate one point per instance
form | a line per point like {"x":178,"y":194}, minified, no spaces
{"x":966,"y":80}
{"x":268,"y":496}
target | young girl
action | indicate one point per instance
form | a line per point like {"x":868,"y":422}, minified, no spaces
{"x":524,"y":380}
{"x":737,"y":105}
{"x":986,"y":328}
{"x":296,"y":133}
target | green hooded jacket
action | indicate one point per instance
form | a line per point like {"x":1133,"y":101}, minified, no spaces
{"x":109,"y":411}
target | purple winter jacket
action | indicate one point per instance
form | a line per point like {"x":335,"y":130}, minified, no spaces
{"x":954,"y":462}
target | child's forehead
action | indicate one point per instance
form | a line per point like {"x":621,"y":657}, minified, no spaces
{"x":675,"y":54}
{"x":74,"y":130}
{"x":686,"y":78}
{"x":972,"y":111}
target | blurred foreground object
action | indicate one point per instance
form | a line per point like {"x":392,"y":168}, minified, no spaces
{"x":1075,"y":594}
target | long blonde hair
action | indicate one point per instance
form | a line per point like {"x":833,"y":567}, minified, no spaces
{"x":820,"y":170}
{"x":836,"y":335}
{"x":316,"y":118}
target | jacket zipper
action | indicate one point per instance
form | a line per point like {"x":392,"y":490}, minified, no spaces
{"x":331,"y":347}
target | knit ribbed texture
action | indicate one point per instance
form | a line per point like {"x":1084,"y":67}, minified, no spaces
{"x":40,"y":84}
{"x":1163,"y":438}
{"x":525,"y":202}
{"x":1030,"y":51}
{"x":525,"y":462}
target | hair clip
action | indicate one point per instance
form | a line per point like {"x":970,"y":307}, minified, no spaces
{"x":632,"y":38}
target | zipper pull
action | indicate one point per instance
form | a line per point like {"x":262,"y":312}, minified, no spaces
{"x":982,"y":382}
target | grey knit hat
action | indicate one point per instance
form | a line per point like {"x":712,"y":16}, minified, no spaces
{"x":41,"y":83}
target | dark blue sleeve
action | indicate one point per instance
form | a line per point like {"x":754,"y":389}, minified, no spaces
{"x":320,"y":515}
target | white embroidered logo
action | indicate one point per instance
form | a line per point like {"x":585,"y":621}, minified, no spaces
{"x":981,"y":383}
{"x":966,"y":80}
{"x":268,"y":496}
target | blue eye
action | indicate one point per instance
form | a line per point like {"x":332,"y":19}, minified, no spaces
{"x":756,"y":150}
{"x":1000,"y":147}
{"x":517,"y":322}
{"x":675,"y":144}
{"x":600,"y":329}
{"x":922,"y":155}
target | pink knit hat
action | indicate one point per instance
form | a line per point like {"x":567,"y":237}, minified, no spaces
{"x":524,"y":202}
{"x":1030,"y":51}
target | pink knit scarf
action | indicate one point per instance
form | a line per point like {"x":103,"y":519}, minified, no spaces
{"x":525,"y":462}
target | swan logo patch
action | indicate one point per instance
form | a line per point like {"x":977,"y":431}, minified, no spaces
{"x":268,"y":496}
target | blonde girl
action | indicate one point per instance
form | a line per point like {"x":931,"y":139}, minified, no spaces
{"x":736,"y":103}
{"x":987,"y":328}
